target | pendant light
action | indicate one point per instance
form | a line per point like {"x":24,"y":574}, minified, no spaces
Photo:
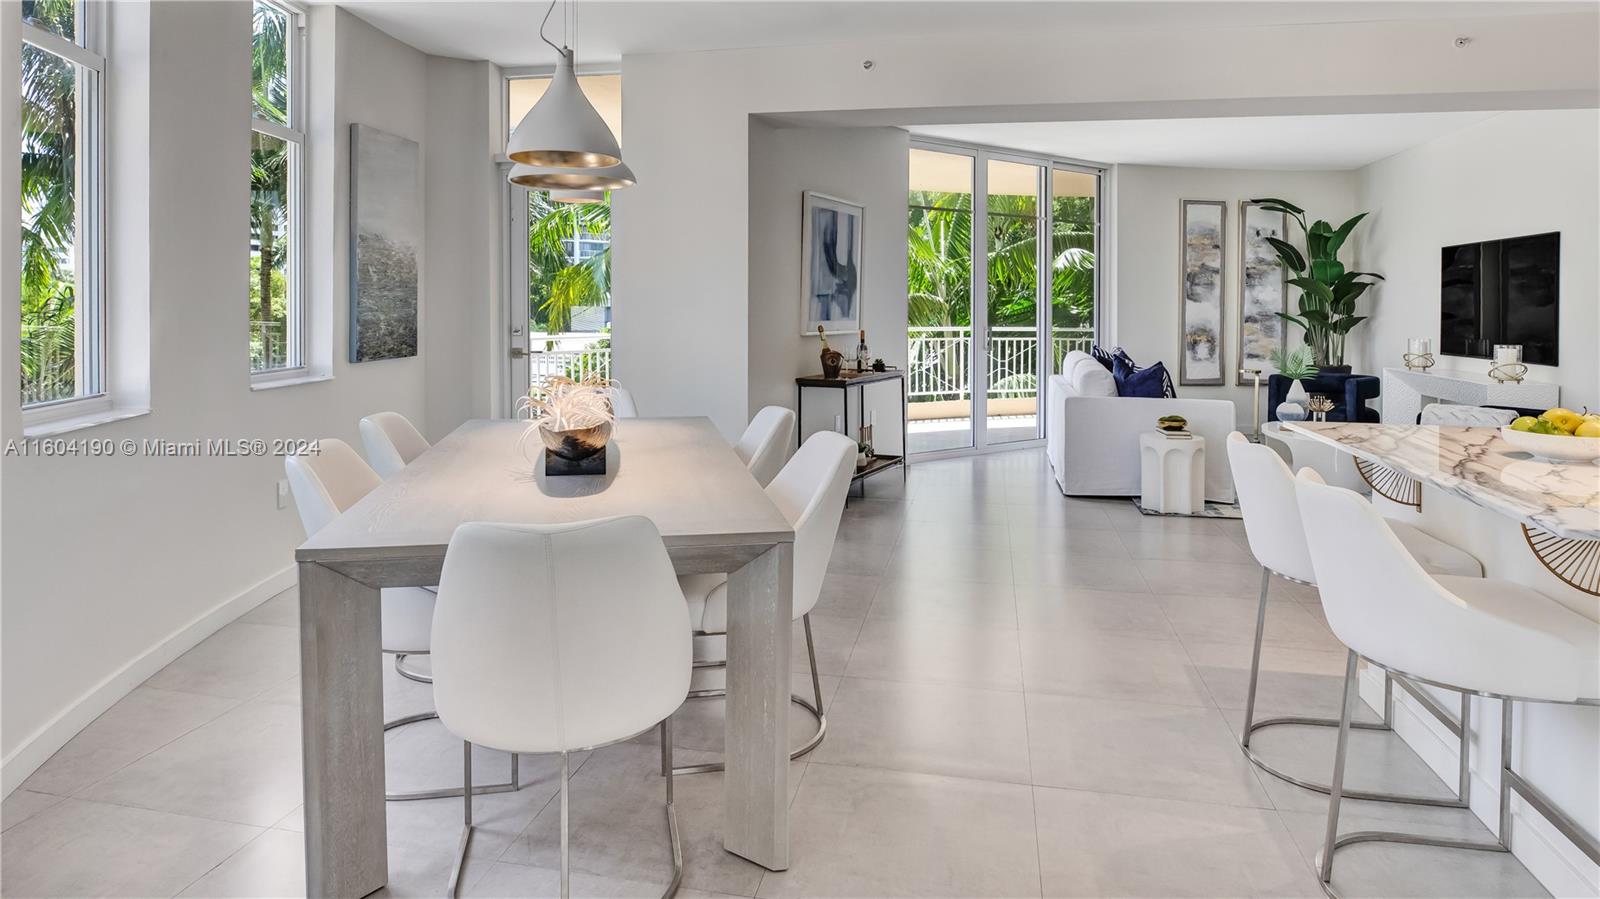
{"x":563,"y":131}
{"x":551,"y":178}
{"x":577,"y":197}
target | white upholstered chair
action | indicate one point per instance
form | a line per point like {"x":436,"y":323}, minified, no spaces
{"x":560,"y":638}
{"x":764,"y":446}
{"x":1487,"y":637}
{"x":810,"y":492}
{"x":1278,"y":542}
{"x":1465,"y":416}
{"x":622,"y":402}
{"x":391,"y":442}
{"x":324,"y":484}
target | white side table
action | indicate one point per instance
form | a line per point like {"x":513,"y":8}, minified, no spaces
{"x":1172,"y":474}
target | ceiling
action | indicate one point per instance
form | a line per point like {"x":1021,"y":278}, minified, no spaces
{"x":1276,"y":143}
{"x":506,"y":31}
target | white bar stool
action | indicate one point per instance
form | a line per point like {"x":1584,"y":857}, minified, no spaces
{"x":559,"y":639}
{"x":810,"y":492}
{"x":326,"y":483}
{"x":1278,"y":542}
{"x":764,"y":446}
{"x":1481,"y":636}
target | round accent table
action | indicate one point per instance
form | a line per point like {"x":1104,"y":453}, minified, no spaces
{"x":1172,"y":473}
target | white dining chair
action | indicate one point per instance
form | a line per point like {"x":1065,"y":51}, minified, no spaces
{"x":1266,"y":490}
{"x":810,"y":492}
{"x":391,"y":442}
{"x":622,"y":402}
{"x":1462,"y":416}
{"x":1481,"y":636}
{"x":324,"y":484}
{"x":764,"y":446}
{"x":557,"y":639}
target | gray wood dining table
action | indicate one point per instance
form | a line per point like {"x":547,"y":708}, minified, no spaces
{"x":680,"y":473}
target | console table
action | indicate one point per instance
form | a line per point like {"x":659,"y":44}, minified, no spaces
{"x":1405,"y":392}
{"x":843,"y":383}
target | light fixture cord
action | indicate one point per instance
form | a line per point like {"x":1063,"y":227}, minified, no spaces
{"x":561,"y":51}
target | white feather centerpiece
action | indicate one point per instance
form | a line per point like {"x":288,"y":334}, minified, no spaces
{"x":573,"y":420}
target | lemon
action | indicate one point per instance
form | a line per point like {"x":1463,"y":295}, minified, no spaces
{"x":1588,"y":429}
{"x":1525,"y":423}
{"x":1565,"y":420}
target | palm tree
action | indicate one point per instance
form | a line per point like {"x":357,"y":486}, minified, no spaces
{"x":269,"y":208}
{"x":560,"y":282}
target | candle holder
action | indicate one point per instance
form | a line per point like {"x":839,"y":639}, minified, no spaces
{"x":1419,"y":354}
{"x":1508,"y":367}
{"x":1320,"y":406}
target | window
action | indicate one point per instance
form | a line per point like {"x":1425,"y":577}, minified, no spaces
{"x":63,"y":296}
{"x":277,"y":144}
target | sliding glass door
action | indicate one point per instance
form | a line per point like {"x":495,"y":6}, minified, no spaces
{"x":977,"y":369}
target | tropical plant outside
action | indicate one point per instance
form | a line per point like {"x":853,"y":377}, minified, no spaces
{"x":49,"y":209}
{"x":569,"y":259}
{"x":269,"y":190}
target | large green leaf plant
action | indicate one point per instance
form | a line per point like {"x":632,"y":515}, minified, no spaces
{"x":1328,"y":291}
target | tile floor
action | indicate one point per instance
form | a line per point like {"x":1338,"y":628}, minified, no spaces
{"x":1028,"y":696}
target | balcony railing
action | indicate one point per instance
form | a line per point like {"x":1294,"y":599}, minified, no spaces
{"x":269,"y":345}
{"x":940,"y":367}
{"x":49,"y":369}
{"x":587,"y":360}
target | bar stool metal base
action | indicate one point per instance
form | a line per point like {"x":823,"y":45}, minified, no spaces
{"x":814,"y":709}
{"x":1510,"y":782}
{"x":453,"y":888}
{"x":509,"y":786}
{"x":1461,"y":729}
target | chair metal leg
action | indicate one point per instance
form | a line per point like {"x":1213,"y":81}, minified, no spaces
{"x":407,"y":673}
{"x":1251,"y":725}
{"x":510,"y":786}
{"x":1336,"y":788}
{"x":672,"y":812}
{"x":453,"y":889}
{"x":566,"y":828}
{"x":814,"y":709}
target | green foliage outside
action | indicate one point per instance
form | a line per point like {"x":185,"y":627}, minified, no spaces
{"x":558,"y":282}
{"x":269,"y":190}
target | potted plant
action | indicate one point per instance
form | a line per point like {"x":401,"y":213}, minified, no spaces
{"x":573,"y":420}
{"x":1296,"y":365}
{"x":1328,"y":291}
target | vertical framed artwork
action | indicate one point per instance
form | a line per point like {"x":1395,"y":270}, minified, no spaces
{"x":385,"y":233}
{"x":830,"y":264}
{"x":1263,"y":287}
{"x":1202,"y":229}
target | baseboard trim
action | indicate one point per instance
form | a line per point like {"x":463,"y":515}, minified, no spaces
{"x":43,"y":743}
{"x":1552,"y":859}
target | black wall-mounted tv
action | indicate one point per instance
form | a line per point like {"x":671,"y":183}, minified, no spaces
{"x":1502,"y":291}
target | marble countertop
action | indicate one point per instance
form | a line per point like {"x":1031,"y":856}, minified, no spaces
{"x":1477,"y":465}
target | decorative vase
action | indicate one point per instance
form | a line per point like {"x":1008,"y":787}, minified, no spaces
{"x":831,"y":360}
{"x":1297,"y":393}
{"x":1288,"y":411}
{"x":579,"y":451}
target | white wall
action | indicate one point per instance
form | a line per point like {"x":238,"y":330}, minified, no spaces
{"x":680,"y":253}
{"x":1516,"y":173}
{"x":115,"y":565}
{"x":1148,"y":258}
{"x":863,"y":165}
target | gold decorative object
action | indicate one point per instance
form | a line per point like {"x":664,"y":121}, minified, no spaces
{"x":1511,"y":372}
{"x":1576,"y":562}
{"x":1390,"y":484}
{"x":832,"y":359}
{"x":1320,"y":405}
{"x":1418,"y":361}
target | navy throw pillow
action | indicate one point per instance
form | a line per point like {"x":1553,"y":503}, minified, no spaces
{"x":1149,"y":382}
{"x":1101,"y":356}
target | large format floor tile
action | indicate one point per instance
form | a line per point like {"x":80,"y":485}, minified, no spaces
{"x":1073,"y":611}
{"x":931,"y":600}
{"x":1227,"y":619}
{"x":1106,"y":666}
{"x":1142,"y":749}
{"x":869,"y":832}
{"x":937,"y":653}
{"x":238,"y":662}
{"x":1099,"y":845}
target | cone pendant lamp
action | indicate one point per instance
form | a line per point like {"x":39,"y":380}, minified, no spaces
{"x":571,"y":179}
{"x":563,"y":130}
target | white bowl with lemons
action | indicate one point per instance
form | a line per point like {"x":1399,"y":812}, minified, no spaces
{"x":1557,"y":435}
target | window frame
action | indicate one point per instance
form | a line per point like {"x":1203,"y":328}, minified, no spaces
{"x":87,"y":54}
{"x":294,"y":137}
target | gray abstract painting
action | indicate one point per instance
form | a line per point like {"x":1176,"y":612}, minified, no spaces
{"x":1262,"y":289}
{"x":1202,"y":229}
{"x":385,"y":232}
{"x":830,"y":290}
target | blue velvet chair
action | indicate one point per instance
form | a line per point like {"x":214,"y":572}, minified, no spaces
{"x":1349,"y":393}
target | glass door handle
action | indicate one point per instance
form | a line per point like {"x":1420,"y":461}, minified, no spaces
{"x":518,"y":352}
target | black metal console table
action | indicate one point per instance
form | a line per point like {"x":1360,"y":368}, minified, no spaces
{"x":843,"y":383}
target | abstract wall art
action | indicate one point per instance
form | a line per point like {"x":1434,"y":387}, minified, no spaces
{"x":1202,"y":225}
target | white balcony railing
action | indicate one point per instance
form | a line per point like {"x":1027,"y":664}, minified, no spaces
{"x":576,"y":356}
{"x":940,"y":365}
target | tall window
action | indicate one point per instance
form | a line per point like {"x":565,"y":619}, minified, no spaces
{"x":63,"y":311}
{"x":277,"y":140}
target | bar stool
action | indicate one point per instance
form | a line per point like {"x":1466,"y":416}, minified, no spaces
{"x":764,"y":446}
{"x":1465,"y":416}
{"x":810,"y":492}
{"x":559,"y":639}
{"x":391,"y":442}
{"x":1278,"y":542}
{"x":1484,"y":637}
{"x":326,"y":483}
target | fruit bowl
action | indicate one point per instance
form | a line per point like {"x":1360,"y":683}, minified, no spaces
{"x":1553,"y":447}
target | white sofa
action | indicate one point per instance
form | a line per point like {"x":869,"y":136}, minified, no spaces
{"x":1092,"y":435}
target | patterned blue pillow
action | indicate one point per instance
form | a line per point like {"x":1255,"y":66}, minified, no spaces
{"x":1100,"y":355}
{"x":1151,"y":382}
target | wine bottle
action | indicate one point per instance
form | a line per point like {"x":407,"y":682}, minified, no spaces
{"x":862,"y":359}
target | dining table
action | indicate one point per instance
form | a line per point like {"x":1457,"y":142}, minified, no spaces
{"x":678,"y":472}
